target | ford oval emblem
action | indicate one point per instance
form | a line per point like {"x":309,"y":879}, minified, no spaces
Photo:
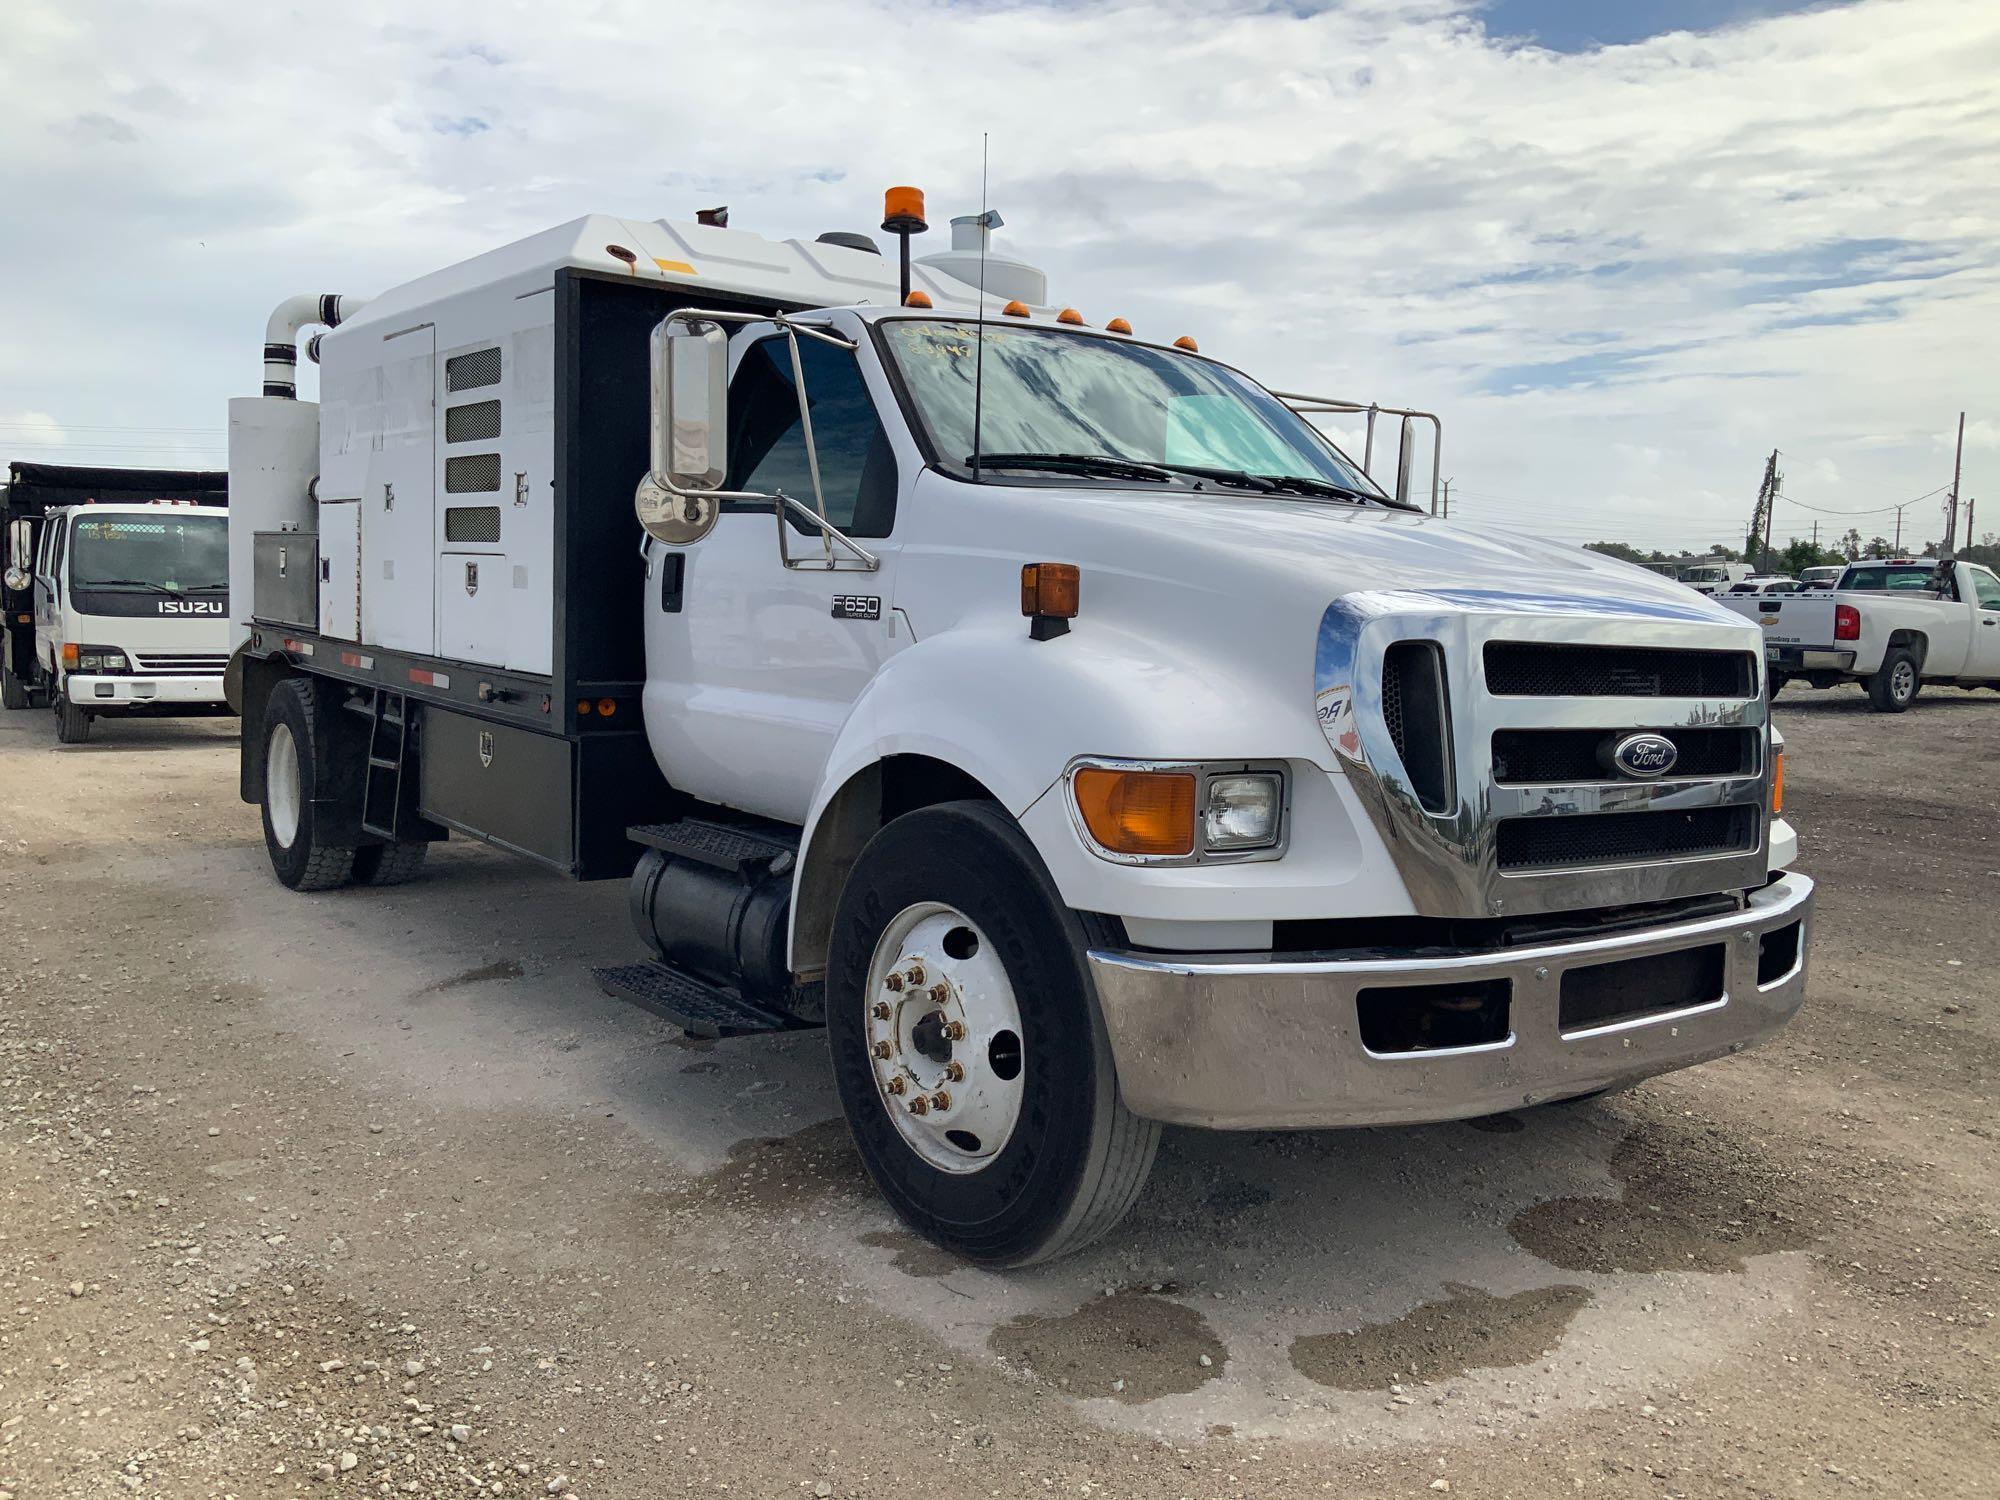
{"x":1644,"y":756}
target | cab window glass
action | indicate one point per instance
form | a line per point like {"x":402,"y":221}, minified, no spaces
{"x":1987,"y":587}
{"x":767,"y":446}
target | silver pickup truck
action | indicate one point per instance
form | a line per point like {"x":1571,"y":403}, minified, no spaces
{"x":1890,"y":625}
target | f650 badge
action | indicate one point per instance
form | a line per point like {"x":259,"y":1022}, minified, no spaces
{"x":857,"y":607}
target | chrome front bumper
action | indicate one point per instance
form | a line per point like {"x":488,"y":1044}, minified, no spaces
{"x":1245,"y":1042}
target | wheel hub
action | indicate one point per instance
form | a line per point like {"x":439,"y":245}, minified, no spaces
{"x":944,"y":1038}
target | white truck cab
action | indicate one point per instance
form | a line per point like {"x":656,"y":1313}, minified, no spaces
{"x":1051,"y":713}
{"x":131,"y":611}
{"x":1715,"y":577}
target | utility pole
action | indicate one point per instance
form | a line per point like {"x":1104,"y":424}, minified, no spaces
{"x":1767,"y":502}
{"x":1898,"y":543}
{"x":1951,"y":511}
{"x":1815,"y":538}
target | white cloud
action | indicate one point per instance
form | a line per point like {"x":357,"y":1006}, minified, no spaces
{"x":1623,"y":276}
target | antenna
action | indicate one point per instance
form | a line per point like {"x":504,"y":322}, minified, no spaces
{"x":979,"y":333}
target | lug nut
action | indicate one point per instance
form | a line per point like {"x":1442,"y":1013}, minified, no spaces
{"x":893,"y":983}
{"x":914,"y":976}
{"x":883,"y":1049}
{"x":954,"y":1031}
{"x":940,"y":1100}
{"x":896,"y":1084}
{"x":939,"y":994}
{"x":955,"y":1071}
{"x":920,"y":1105}
{"x":880,"y":1010}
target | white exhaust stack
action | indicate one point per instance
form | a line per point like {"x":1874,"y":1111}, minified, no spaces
{"x":281,"y":335}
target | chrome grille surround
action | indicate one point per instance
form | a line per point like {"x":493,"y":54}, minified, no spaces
{"x":1449,"y":860}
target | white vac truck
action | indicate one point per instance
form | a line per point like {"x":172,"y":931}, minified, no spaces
{"x":1051,"y":713}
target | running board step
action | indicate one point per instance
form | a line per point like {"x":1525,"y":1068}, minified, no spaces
{"x":724,"y":846}
{"x":698,"y":1009}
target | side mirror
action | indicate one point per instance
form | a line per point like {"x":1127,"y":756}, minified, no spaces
{"x":689,"y":431}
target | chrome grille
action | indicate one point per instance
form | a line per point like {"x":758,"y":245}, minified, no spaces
{"x":185,"y":663}
{"x":1531,"y":756}
{"x":1536,"y":669}
{"x":1625,"y":838}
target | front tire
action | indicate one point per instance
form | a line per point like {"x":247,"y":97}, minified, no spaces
{"x":1031,"y":1153}
{"x":1895,"y":687}
{"x":13,"y":691}
{"x":72,"y":723}
{"x":292,"y":776}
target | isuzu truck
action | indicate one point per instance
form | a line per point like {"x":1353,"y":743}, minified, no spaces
{"x":1039,"y":704}
{"x":115,"y":592}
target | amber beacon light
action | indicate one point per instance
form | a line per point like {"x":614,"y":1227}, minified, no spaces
{"x":903,"y":216}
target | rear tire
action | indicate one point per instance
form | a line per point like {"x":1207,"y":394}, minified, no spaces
{"x":1054,"y":1159}
{"x":389,"y":864}
{"x":1778,"y":682}
{"x":13,"y":691}
{"x":291,"y":778}
{"x":72,"y":723}
{"x":1895,"y":687}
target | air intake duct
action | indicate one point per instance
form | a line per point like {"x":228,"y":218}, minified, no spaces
{"x":1417,"y":714}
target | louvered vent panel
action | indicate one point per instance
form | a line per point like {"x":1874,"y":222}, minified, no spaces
{"x":472,"y":423}
{"x":468,"y":372}
{"x":476,"y":473}
{"x":472,"y":523}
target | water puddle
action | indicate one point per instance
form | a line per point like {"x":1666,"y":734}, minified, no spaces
{"x":914,"y":1256}
{"x":1133,"y":1346}
{"x":1471,"y":1330}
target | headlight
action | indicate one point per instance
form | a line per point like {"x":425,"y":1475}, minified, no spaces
{"x":1178,"y":812}
{"x":101,"y":659}
{"x":1243,"y":811}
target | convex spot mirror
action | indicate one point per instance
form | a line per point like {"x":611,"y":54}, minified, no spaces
{"x":689,"y":431}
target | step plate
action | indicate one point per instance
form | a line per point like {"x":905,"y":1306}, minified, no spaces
{"x":688,"y":1003}
{"x":710,"y":843}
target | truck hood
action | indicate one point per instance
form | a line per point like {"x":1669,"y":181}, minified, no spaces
{"x":1326,"y":549}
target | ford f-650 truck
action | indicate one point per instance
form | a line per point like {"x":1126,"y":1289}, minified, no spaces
{"x":1050,"y":712}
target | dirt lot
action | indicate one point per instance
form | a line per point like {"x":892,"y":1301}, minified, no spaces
{"x":371,"y":1192}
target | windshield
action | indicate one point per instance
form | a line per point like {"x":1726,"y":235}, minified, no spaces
{"x":1703,"y":575}
{"x":1049,"y":393}
{"x":172,"y":550}
{"x":1884,"y":578}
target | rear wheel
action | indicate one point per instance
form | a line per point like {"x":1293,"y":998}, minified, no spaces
{"x":389,"y":864}
{"x":968,"y":1050}
{"x":72,"y":723}
{"x":13,"y":691}
{"x":291,"y":779}
{"x":1894,"y":688}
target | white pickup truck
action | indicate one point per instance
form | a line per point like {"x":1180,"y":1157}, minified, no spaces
{"x":1890,"y":625}
{"x":1049,"y":711}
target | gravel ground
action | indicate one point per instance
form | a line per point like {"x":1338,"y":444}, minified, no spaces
{"x":372,"y":1193}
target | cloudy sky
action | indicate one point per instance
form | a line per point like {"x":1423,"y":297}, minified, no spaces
{"x":1625,"y":247}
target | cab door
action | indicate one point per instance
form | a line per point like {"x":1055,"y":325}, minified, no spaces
{"x":49,"y":595}
{"x":1983,"y":661}
{"x":753,"y":666}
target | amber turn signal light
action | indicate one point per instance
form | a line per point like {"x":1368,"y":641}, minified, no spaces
{"x":1137,"y":812}
{"x":1050,"y":590}
{"x":1777,"y":783}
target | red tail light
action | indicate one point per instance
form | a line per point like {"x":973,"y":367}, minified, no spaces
{"x":1846,"y":623}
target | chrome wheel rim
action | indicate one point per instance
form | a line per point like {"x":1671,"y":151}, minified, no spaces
{"x":943,"y":1032}
{"x":281,"y":785}
{"x":1903,"y":681}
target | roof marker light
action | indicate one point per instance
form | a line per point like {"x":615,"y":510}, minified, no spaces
{"x":1118,"y":325}
{"x":1070,"y":316}
{"x":1014,"y":310}
{"x":917,"y":299}
{"x":1184,"y":342}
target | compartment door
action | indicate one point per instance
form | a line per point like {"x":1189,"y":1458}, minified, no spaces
{"x":398,"y":504}
{"x":472,"y":607}
{"x":340,"y":569}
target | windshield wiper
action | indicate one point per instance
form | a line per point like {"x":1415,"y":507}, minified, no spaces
{"x":130,"y":583}
{"x":1240,"y":478}
{"x":1099,"y":464}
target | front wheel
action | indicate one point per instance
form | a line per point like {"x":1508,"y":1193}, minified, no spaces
{"x":968,"y":1050}
{"x":72,"y":723}
{"x":1894,"y":688}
